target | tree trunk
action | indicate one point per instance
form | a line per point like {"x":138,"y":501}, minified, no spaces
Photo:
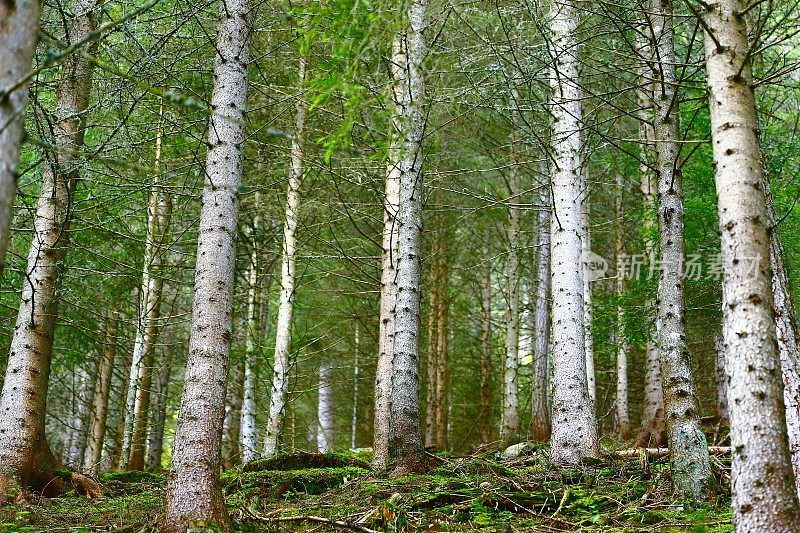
{"x":231,"y":423}
{"x":786,"y":330}
{"x":588,"y":312}
{"x":356,"y":372}
{"x":18,"y":37}
{"x":540,"y":412}
{"x":389,"y":255}
{"x":405,"y":439}
{"x":159,"y":213}
{"x":621,"y":419}
{"x":325,"y":408}
{"x":81,"y":414}
{"x":24,"y":452}
{"x":691,"y":470}
{"x":574,"y":426}
{"x":442,"y":403}
{"x":283,"y":332}
{"x":653,"y":429}
{"x":721,"y":367}
{"x":431,"y":394}
{"x":113,"y":455}
{"x":92,"y":462}
{"x":248,"y":436}
{"x":509,"y":416}
{"x":487,"y":368}
{"x":193,"y":493}
{"x":764,"y":491}
{"x":155,"y":439}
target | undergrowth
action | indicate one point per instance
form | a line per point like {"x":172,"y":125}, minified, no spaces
{"x":479,"y":493}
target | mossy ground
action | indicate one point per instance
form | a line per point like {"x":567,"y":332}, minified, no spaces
{"x":469,"y":494}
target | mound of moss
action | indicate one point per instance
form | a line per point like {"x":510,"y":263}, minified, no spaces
{"x":275,"y":484}
{"x":298,"y":460}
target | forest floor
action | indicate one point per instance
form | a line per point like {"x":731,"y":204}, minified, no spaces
{"x":483,"y":492}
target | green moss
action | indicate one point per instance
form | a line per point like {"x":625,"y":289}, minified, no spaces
{"x":298,"y":459}
{"x":279,"y":483}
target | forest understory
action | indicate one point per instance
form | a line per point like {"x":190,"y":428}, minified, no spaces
{"x":337,"y":491}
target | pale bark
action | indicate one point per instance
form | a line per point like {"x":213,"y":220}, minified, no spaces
{"x":721,"y":368}
{"x":653,"y":429}
{"x":19,"y":28}
{"x":389,"y":255}
{"x":786,"y":330}
{"x":92,"y":462}
{"x":193,"y":493}
{"x":691,"y":470}
{"x":248,"y":435}
{"x":763,"y":486}
{"x":487,"y":368}
{"x":540,"y":411}
{"x":622,"y":421}
{"x":25,"y":455}
{"x":356,"y":372}
{"x":442,"y":398}
{"x":588,"y":313}
{"x":159,"y":213}
{"x":79,"y":425}
{"x":433,"y":347}
{"x":231,"y":423}
{"x":325,"y":408}
{"x":574,"y":426}
{"x":155,"y":438}
{"x":283,"y":328}
{"x":405,"y":439}
{"x":112,"y":455}
{"x":509,"y":415}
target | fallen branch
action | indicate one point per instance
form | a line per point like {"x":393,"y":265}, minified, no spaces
{"x":308,"y":518}
{"x":663,"y":452}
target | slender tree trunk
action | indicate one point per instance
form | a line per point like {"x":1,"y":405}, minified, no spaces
{"x":540,"y":412}
{"x":721,"y":367}
{"x":688,"y":448}
{"x":159,"y":214}
{"x":405,"y":439}
{"x":442,"y":403}
{"x":155,"y":439}
{"x":389,"y":254}
{"x":25,"y":454}
{"x":114,"y":452}
{"x":231,"y":423}
{"x":764,"y":490}
{"x":431,"y":395}
{"x":621,"y":417}
{"x":509,"y":417}
{"x":193,"y":492}
{"x":574,"y":426}
{"x":487,"y":368}
{"x":248,"y":433}
{"x":81,"y":414}
{"x":94,"y":447}
{"x":356,"y":372}
{"x":588,"y":312}
{"x":653,"y":429}
{"x":19,"y":32}
{"x":786,"y":330}
{"x":283,"y":332}
{"x":325,"y":408}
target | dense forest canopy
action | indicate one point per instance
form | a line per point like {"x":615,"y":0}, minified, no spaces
{"x":234,"y":232}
